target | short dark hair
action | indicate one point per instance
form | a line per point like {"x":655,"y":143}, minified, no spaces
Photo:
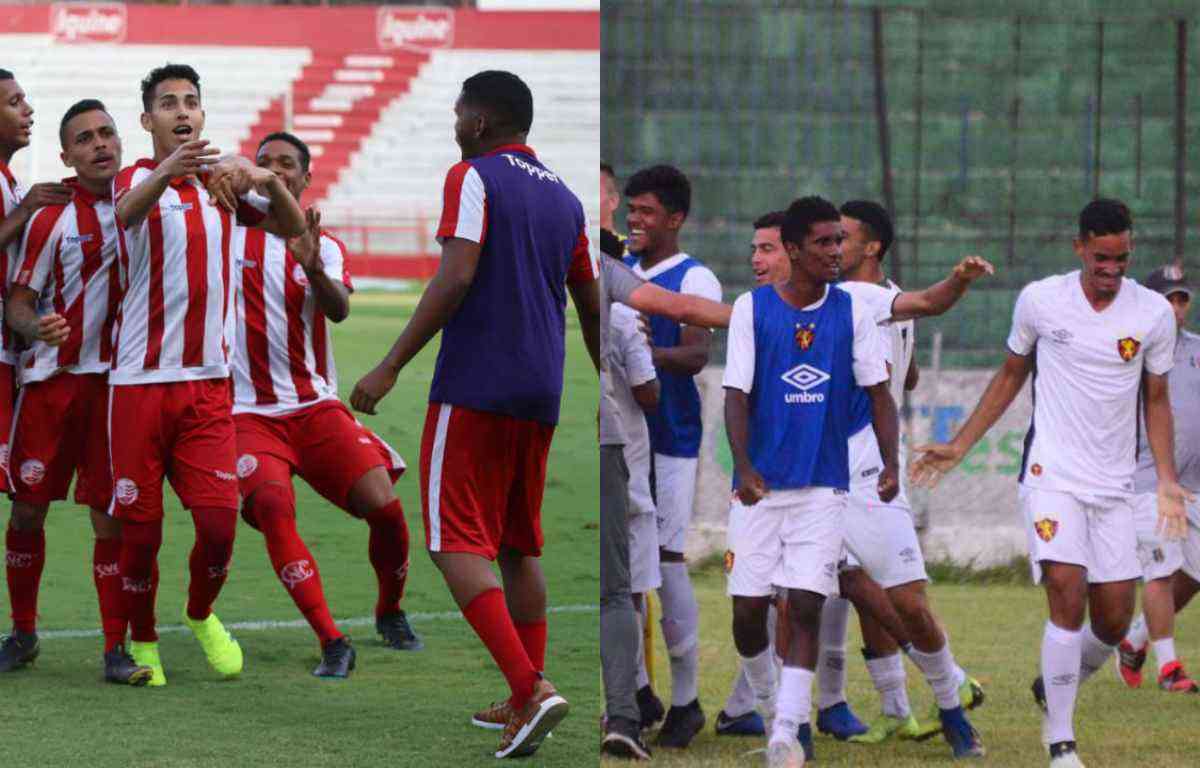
{"x":802,"y":214}
{"x":167,"y":72}
{"x":769,"y":220}
{"x":295,"y":141}
{"x":6,"y":75}
{"x":504,"y":96}
{"x":78,"y":108}
{"x":667,"y":183}
{"x":610,"y":244}
{"x":875,"y":218}
{"x":606,"y":168}
{"x":1104,"y":216}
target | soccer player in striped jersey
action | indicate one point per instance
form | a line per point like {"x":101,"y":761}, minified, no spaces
{"x":509,"y":227}
{"x":63,"y":301}
{"x":289,"y":420}
{"x":170,"y":406}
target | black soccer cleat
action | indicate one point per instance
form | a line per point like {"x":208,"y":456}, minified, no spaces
{"x":120,"y":668}
{"x":396,"y":633}
{"x":650,"y":707}
{"x":18,"y":650}
{"x":337,"y":659}
{"x":623,"y":738}
{"x":681,"y":726}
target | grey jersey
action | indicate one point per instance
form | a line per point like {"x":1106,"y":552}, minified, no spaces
{"x":617,"y":282}
{"x":1184,"y":385}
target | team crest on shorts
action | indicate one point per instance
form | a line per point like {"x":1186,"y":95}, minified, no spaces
{"x":32,"y":472}
{"x":246,"y":464}
{"x":805,"y":334}
{"x":126,"y":491}
{"x":1128,"y":348}
{"x":729,"y":561}
{"x":1046,"y":529}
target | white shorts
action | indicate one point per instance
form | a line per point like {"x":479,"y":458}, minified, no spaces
{"x":1097,"y":532}
{"x":881,"y":537}
{"x":865,"y":465}
{"x":674,"y":493}
{"x":1159,"y":558}
{"x":791,"y":539}
{"x":644,"y":574}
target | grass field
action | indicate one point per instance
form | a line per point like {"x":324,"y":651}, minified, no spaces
{"x":996,"y":634}
{"x":397,"y":709}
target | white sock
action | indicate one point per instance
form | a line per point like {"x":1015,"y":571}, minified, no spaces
{"x":1093,"y":653}
{"x":793,"y":702}
{"x":831,"y":658}
{"x":1062,"y":651}
{"x":759,"y":674}
{"x":888,"y":675}
{"x":938,"y":668}
{"x":643,"y":677}
{"x":680,"y":628}
{"x":1164,"y":651}
{"x":1138,"y":634}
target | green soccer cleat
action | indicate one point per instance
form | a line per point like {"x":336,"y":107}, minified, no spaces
{"x":222,"y":651}
{"x":886,"y":727}
{"x":146,"y":655}
{"x":970,"y":693}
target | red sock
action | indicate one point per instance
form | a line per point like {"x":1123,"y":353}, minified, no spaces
{"x":533,"y":637}
{"x":139,"y":551}
{"x":274,"y":511}
{"x":388,"y":551}
{"x":106,"y":573}
{"x":209,"y":562}
{"x":489,"y":617}
{"x":25,"y":557}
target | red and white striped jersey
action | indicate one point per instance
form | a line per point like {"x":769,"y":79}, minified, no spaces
{"x":175,"y":322}
{"x":10,"y":197}
{"x":283,"y":358}
{"x":69,"y":257}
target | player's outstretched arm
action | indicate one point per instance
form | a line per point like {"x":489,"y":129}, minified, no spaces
{"x":38,"y":196}
{"x":189,"y":158}
{"x":439,"y":302}
{"x":886,"y":423}
{"x":684,"y":308}
{"x":285,"y":217}
{"x":20,"y":311}
{"x":585,"y":296}
{"x":939,"y":458}
{"x":751,"y":486}
{"x":939,"y":297}
{"x":1160,"y":433}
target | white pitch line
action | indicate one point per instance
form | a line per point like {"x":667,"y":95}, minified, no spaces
{"x":258,"y":626}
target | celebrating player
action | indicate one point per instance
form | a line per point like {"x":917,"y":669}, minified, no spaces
{"x":1170,"y":569}
{"x":658,"y":200}
{"x":796,"y":350}
{"x":289,"y":420}
{"x":63,"y":301}
{"x":170,"y":410}
{"x":509,"y":227}
{"x":1098,"y":339}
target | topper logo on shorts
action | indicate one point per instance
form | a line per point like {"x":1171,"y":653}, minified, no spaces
{"x":298,"y":275}
{"x":1046,"y":529}
{"x":729,"y":561}
{"x":104,"y":570}
{"x":1128,"y":348}
{"x":141,"y":586}
{"x":218,"y":571}
{"x":224,"y":475}
{"x":246,"y":465}
{"x":804,"y":377}
{"x":32,"y":472}
{"x":18,"y":559}
{"x":419,"y":28}
{"x":88,"y":22}
{"x":296,"y":572}
{"x":126,"y":491}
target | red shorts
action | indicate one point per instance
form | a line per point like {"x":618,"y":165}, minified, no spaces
{"x":8,"y":391}
{"x":181,"y":430}
{"x":323,"y":444}
{"x":60,"y":430}
{"x":482,"y":478}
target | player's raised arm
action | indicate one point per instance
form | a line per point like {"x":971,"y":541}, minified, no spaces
{"x":38,"y":196}
{"x":134,"y":203}
{"x":332,"y":296}
{"x":941,"y":296}
{"x":284,"y":217}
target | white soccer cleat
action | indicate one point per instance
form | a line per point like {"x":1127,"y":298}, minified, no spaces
{"x":785,"y":754}
{"x":1066,"y":760}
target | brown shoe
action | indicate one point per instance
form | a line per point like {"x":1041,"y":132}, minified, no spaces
{"x":495,"y":717}
{"x":527,"y":727}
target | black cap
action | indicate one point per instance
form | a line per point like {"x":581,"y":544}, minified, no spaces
{"x":1167,"y":280}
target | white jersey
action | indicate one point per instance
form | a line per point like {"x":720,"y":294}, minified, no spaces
{"x":1087,"y":375}
{"x":68,"y":256}
{"x":10,"y":197}
{"x":904,"y":341}
{"x":699,"y":280}
{"x":1184,"y":386}
{"x":283,"y":356}
{"x":630,"y":366}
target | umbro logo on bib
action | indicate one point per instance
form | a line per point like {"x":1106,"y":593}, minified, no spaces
{"x":805,"y":377}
